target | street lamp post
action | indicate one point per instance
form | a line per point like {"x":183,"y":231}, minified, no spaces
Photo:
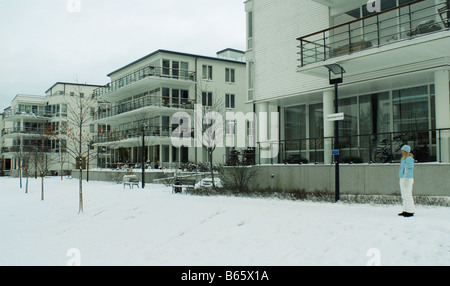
{"x":335,"y":80}
{"x":144,"y":126}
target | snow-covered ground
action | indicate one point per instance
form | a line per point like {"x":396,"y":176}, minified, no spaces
{"x":155,"y":227}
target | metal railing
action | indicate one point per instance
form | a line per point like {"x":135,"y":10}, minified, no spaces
{"x":146,"y":72}
{"x":370,"y":148}
{"x":145,"y":101}
{"x":29,"y":149}
{"x":33,"y":114}
{"x":403,"y":22}
{"x":117,"y":136}
{"x":31,"y":131}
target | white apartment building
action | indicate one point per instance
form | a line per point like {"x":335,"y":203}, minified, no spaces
{"x":396,"y":80}
{"x":35,"y":129}
{"x":149,"y":91}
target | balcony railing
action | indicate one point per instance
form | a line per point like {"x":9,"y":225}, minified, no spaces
{"x":368,"y":148}
{"x":116,"y":136}
{"x":34,"y":113}
{"x":30,"y":149}
{"x":399,"y":23}
{"x":31,"y":131}
{"x":146,"y":101}
{"x":146,"y":72}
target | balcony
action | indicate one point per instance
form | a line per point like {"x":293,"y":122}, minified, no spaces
{"x":38,"y":115}
{"x":144,"y":102}
{"x":132,"y":136}
{"x":406,"y":22}
{"x":28,"y":114}
{"x":171,"y":75}
{"x":29,"y":149}
{"x":30,"y":132}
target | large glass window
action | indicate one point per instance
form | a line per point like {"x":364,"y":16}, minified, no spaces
{"x":295,"y":122}
{"x":410,"y":109}
{"x":349,"y":126}
{"x":316,"y":132}
{"x":374,"y":113}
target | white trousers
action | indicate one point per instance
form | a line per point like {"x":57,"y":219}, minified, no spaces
{"x":406,"y":188}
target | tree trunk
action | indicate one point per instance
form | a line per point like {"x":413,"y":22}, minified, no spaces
{"x":210,"y":152}
{"x":80,"y":205}
{"x":20,"y":176}
{"x":26,"y":187}
{"x":42,"y":186}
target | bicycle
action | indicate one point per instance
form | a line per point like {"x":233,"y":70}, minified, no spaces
{"x":383,"y":154}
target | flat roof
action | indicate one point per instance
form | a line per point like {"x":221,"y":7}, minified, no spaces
{"x":175,"y":53}
{"x":71,"y":83}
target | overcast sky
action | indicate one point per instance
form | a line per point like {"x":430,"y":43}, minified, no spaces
{"x":46,"y":41}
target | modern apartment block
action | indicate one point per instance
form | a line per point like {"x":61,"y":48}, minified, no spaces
{"x":395,"y":88}
{"x":139,"y":102}
{"x":35,"y":129}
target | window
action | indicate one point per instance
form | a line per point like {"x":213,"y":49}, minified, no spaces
{"x":207,"y":98}
{"x":411,"y":110}
{"x":184,"y":72}
{"x":166,"y":96}
{"x":229,"y":100}
{"x":230,"y":126}
{"x":64,"y":110}
{"x":374,"y":113}
{"x":166,"y":67}
{"x":184,"y":96}
{"x":175,"y":69}
{"x":175,"y":97}
{"x":229,"y":75}
{"x":250,"y":80}
{"x":207,"y":72}
{"x":349,"y":126}
{"x":250,"y":30}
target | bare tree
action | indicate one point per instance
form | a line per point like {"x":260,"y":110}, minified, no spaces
{"x":37,"y":156}
{"x":80,"y":111}
{"x":56,"y":132}
{"x":211,"y":124}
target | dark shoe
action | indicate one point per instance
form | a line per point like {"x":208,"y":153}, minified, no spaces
{"x":408,"y":214}
{"x":401,"y":214}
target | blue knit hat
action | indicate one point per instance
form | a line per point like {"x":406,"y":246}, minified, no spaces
{"x":406,"y":148}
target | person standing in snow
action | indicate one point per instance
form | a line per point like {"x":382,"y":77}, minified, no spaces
{"x":407,"y":181}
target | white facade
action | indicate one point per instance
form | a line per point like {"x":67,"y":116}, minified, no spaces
{"x":396,"y":80}
{"x":35,"y":129}
{"x":150,"y":91}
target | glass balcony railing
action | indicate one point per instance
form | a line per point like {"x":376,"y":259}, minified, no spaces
{"x":33,"y":113}
{"x":29,"y":149}
{"x":116,"y":136}
{"x":31,"y":131}
{"x":400,"y":23}
{"x":143,"y":73}
{"x":146,"y":101}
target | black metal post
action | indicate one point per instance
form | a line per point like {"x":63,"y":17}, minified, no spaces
{"x":336,"y":145}
{"x":336,"y":70}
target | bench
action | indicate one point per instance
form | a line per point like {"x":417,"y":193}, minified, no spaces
{"x":130,"y":180}
{"x":179,"y":184}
